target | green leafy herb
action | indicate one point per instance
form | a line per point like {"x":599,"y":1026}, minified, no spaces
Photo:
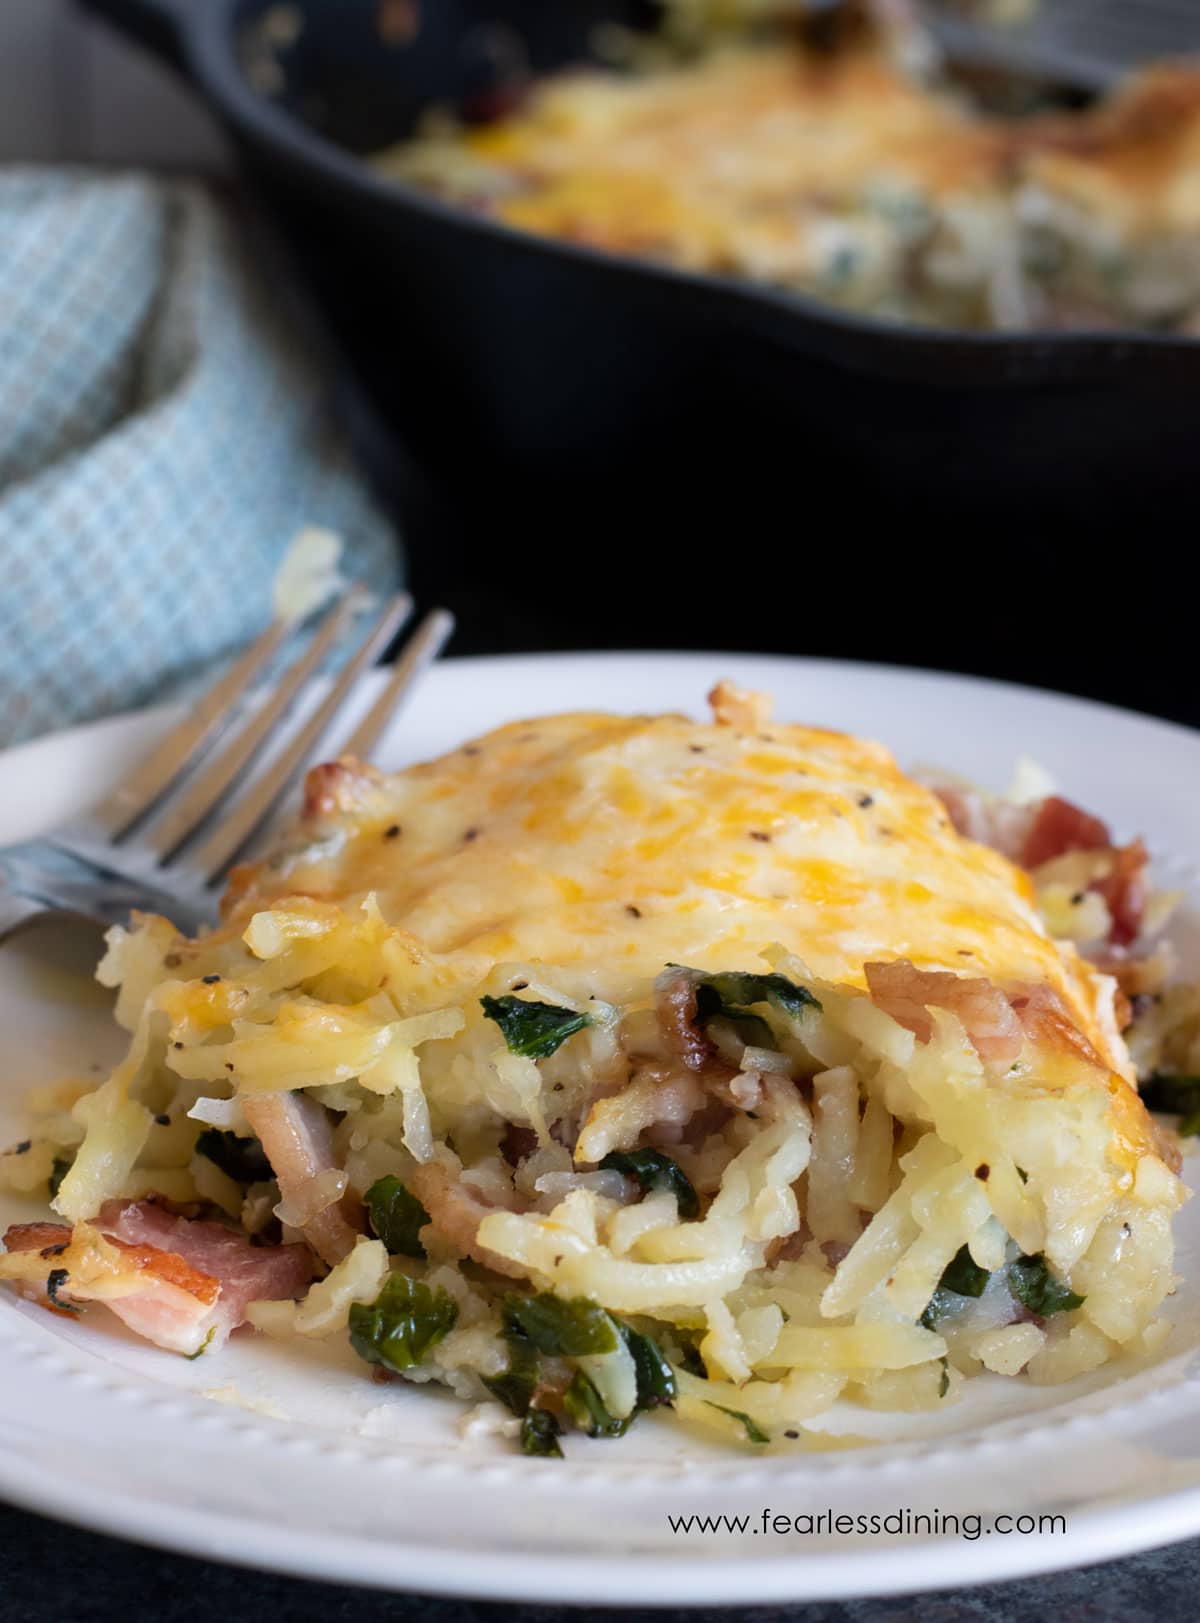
{"x":242,"y":1159}
{"x":588,"y":1411}
{"x":540,"y":1433}
{"x":402,"y":1324}
{"x":736,"y":989}
{"x":751,"y":1028}
{"x":58,"y":1171}
{"x":1179,"y":1095}
{"x":654,"y":1170}
{"x":55,"y":1281}
{"x":203,"y":1347}
{"x":691,"y":1362}
{"x":515,"y":1388}
{"x":944,"y":1383}
{"x":1037,"y":1289}
{"x":535,"y":1030}
{"x":397,"y":1216}
{"x":964,"y":1276}
{"x":938,"y":1305}
{"x":1022,"y":1174}
{"x":575,"y":1329}
{"x":754,"y":1433}
{"x":655,"y":1377}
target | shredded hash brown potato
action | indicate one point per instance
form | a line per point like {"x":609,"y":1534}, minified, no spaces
{"x":617,"y":1063}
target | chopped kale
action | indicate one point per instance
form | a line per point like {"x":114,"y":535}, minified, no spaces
{"x":1037,"y":1289}
{"x":55,"y":1280}
{"x":691,"y":1362}
{"x":754,"y":1432}
{"x":397,"y":1217}
{"x":1179,"y":1095}
{"x":736,"y":990}
{"x":938,"y":1305}
{"x":58,"y":1171}
{"x":751,"y":1028}
{"x":944,"y":1383}
{"x":654,"y":1170}
{"x":515,"y":1388}
{"x":588,"y":1412}
{"x":1175,"y":1095}
{"x":242,"y":1159}
{"x":540,"y":1433}
{"x":535,"y":1030}
{"x":655,"y":1377}
{"x":962,"y":1277}
{"x":402,"y":1324}
{"x":562,"y":1329}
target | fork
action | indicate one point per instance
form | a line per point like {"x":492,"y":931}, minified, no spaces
{"x":1088,"y":45}
{"x":162,"y":840}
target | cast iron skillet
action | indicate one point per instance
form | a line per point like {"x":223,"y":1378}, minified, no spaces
{"x":553,"y":391}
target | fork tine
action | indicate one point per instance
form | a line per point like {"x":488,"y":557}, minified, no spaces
{"x":430,"y":637}
{"x":148,"y":782}
{"x":216,"y":852}
{"x":198,"y":798}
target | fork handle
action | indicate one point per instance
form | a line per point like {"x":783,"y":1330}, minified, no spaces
{"x":17,"y":909}
{"x":37,"y":878}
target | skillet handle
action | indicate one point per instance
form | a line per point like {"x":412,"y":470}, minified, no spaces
{"x":160,"y":26}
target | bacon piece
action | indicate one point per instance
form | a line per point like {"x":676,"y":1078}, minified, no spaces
{"x":996,"y":823}
{"x":1045,"y":1019}
{"x":456,"y":1210}
{"x":907,"y":993}
{"x":1124,"y":891}
{"x":180,"y":1283}
{"x":518,"y":1143}
{"x":675,"y":1003}
{"x":1058,"y":827}
{"x":1054,"y":827}
{"x":44,"y":1237}
{"x":297,"y":1137}
{"x":247,"y":1273}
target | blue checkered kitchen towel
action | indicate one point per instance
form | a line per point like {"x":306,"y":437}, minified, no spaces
{"x":162,"y":440}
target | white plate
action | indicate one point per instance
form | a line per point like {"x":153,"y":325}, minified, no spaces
{"x":293,"y":1460}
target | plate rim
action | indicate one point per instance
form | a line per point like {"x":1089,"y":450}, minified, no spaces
{"x":123,"y":719}
{"x":658,"y":1579}
{"x":630,"y":1578}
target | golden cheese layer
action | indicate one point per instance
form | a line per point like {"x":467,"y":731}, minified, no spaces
{"x":623,"y":844}
{"x":721,"y":163}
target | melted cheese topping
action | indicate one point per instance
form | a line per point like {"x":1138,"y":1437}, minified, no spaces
{"x":843,"y":176}
{"x":624,"y":844}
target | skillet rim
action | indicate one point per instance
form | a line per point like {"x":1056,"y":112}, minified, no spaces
{"x":207,"y":34}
